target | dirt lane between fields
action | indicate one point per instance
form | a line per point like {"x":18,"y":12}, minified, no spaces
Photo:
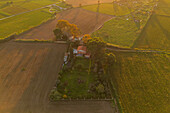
{"x":28,"y":71}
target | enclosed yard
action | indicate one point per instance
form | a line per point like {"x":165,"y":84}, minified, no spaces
{"x":142,"y":82}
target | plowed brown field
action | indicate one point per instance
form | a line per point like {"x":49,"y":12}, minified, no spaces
{"x":77,"y":3}
{"x":87,"y":21}
{"x":28,"y":71}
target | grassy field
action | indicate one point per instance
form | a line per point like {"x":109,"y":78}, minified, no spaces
{"x":19,"y":6}
{"x":156,"y":34}
{"x":108,"y":8}
{"x":123,"y":31}
{"x":23,"y":22}
{"x":142,"y":82}
{"x":118,"y":31}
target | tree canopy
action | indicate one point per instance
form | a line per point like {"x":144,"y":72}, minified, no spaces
{"x":68,"y":29}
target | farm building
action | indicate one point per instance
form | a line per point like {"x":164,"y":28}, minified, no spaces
{"x":82,"y":51}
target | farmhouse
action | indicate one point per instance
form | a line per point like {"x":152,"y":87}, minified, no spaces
{"x":82,"y":51}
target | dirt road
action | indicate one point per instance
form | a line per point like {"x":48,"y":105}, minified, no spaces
{"x":28,"y":71}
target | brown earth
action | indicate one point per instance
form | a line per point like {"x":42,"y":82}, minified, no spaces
{"x":28,"y":71}
{"x":87,"y":21}
{"x":76,"y":3}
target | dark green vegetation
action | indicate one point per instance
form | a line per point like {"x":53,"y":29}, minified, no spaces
{"x":156,"y":34}
{"x":142,"y":82}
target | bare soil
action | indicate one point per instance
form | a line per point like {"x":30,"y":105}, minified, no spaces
{"x":87,"y":21}
{"x":76,"y":3}
{"x":28,"y":71}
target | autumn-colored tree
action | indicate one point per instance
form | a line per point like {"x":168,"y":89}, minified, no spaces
{"x":75,"y":31}
{"x":86,"y":37}
{"x":68,"y":29}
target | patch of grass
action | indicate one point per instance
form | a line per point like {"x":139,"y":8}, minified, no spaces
{"x":33,"y":40}
{"x":23,"y":22}
{"x":142,"y":82}
{"x":108,"y":8}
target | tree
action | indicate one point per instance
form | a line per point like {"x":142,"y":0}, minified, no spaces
{"x":111,"y":58}
{"x":86,"y":38}
{"x":100,"y":88}
{"x":58,"y":33}
{"x":68,"y":29}
{"x":96,"y":46}
{"x":75,"y":31}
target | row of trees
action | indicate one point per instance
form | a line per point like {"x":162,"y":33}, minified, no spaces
{"x":97,"y":48}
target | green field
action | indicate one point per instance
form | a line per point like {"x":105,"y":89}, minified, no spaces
{"x":142,"y":82}
{"x":108,"y":8}
{"x":123,"y":31}
{"x":23,"y":22}
{"x":156,"y":34}
{"x":19,"y":6}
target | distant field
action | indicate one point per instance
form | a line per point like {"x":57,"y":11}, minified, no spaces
{"x":19,"y":6}
{"x":118,"y":31}
{"x":142,"y":82}
{"x":156,"y":34}
{"x":108,"y":8}
{"x":76,"y":16}
{"x":23,"y":22}
{"x":122,"y":31}
{"x":76,"y":3}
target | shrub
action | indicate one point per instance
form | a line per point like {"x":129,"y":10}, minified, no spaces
{"x":100,"y":88}
{"x":55,"y":95}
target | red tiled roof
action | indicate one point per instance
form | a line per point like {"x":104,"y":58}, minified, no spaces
{"x":81,"y":49}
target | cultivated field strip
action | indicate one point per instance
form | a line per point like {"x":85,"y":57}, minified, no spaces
{"x":76,"y":3}
{"x":27,"y":73}
{"x":142,"y":81}
{"x":85,"y":20}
